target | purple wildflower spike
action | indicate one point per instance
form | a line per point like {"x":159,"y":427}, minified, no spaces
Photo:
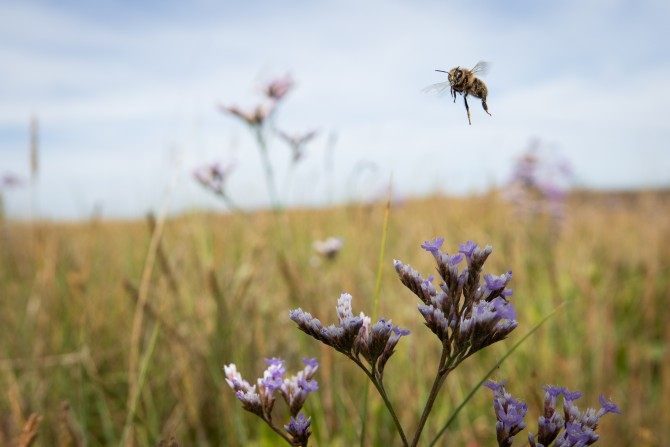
{"x":578,"y":428}
{"x":551,"y":421}
{"x":298,"y":142}
{"x":255,"y":118}
{"x":247,"y":394}
{"x":389,"y":348}
{"x":295,"y":389}
{"x":278,"y":88}
{"x":213,"y":177}
{"x":465,"y":314}
{"x":299,"y":430}
{"x":272,"y":377}
{"x":354,"y":336}
{"x":510,"y":414}
{"x":340,"y":337}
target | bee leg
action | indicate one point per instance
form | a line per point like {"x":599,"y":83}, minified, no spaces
{"x":486,"y":108}
{"x":467,"y":108}
{"x":453,"y":94}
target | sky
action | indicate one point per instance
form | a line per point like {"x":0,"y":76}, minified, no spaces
{"x":126,"y":95}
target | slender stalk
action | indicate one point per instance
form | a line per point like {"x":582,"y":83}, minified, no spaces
{"x":230,"y":204}
{"x":387,"y":213}
{"x":364,"y":413}
{"x":380,"y":263}
{"x":442,"y":372}
{"x":143,"y":293}
{"x":277,"y":430}
{"x":387,"y":402}
{"x":134,"y":397}
{"x":267,"y":167}
{"x":382,"y":392}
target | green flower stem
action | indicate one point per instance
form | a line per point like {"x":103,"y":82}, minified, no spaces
{"x":442,"y":372}
{"x":382,"y":392}
{"x":277,"y":430}
{"x":267,"y":167}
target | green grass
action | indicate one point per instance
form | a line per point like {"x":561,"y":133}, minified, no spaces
{"x":219,"y":292}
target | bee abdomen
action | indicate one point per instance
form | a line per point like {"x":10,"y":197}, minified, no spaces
{"x":479,"y":89}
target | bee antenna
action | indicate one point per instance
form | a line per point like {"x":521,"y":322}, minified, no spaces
{"x":442,"y":71}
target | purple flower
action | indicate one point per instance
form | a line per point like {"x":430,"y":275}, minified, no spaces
{"x":295,"y":389}
{"x":495,"y":285}
{"x":568,"y":396}
{"x":9,"y":180}
{"x":213,"y":176}
{"x":496,"y":386}
{"x":298,"y":142}
{"x":278,"y":88}
{"x":489,"y":322}
{"x":311,"y":365}
{"x":434,"y":245}
{"x":503,"y":309}
{"x":272,"y":377}
{"x":251,"y":401}
{"x":538,"y":184}
{"x":329,"y":248}
{"x":255,"y":117}
{"x":377,"y":342}
{"x":578,"y":427}
{"x":340,"y":337}
{"x":299,"y":430}
{"x":467,"y":249}
{"x":510,"y":413}
{"x":247,"y":394}
{"x":608,"y":407}
{"x":354,"y":336}
{"x":551,"y":421}
{"x":463,"y":313}
{"x":576,"y":435}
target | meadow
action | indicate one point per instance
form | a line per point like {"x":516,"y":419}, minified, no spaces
{"x":116,"y":332}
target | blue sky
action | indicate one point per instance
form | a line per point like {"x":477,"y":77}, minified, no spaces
{"x":126,"y":97}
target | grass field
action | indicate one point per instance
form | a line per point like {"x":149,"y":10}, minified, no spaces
{"x":133,"y":330}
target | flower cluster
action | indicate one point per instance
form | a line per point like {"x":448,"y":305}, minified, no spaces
{"x":509,"y":413}
{"x":213,"y":177}
{"x":260,"y":398}
{"x":329,"y":248}
{"x":465,"y":314}
{"x":578,"y":428}
{"x":538,"y":184}
{"x":274,"y":91}
{"x":354,"y":336}
{"x":9,"y":180}
{"x":260,"y":121}
{"x":298,"y":142}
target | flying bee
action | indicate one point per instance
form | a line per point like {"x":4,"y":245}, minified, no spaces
{"x":464,"y":81}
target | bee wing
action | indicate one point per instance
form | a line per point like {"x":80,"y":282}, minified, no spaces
{"x":437,"y":89}
{"x":481,"y":67}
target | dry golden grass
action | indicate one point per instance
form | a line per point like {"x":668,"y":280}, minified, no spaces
{"x":221,"y":288}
